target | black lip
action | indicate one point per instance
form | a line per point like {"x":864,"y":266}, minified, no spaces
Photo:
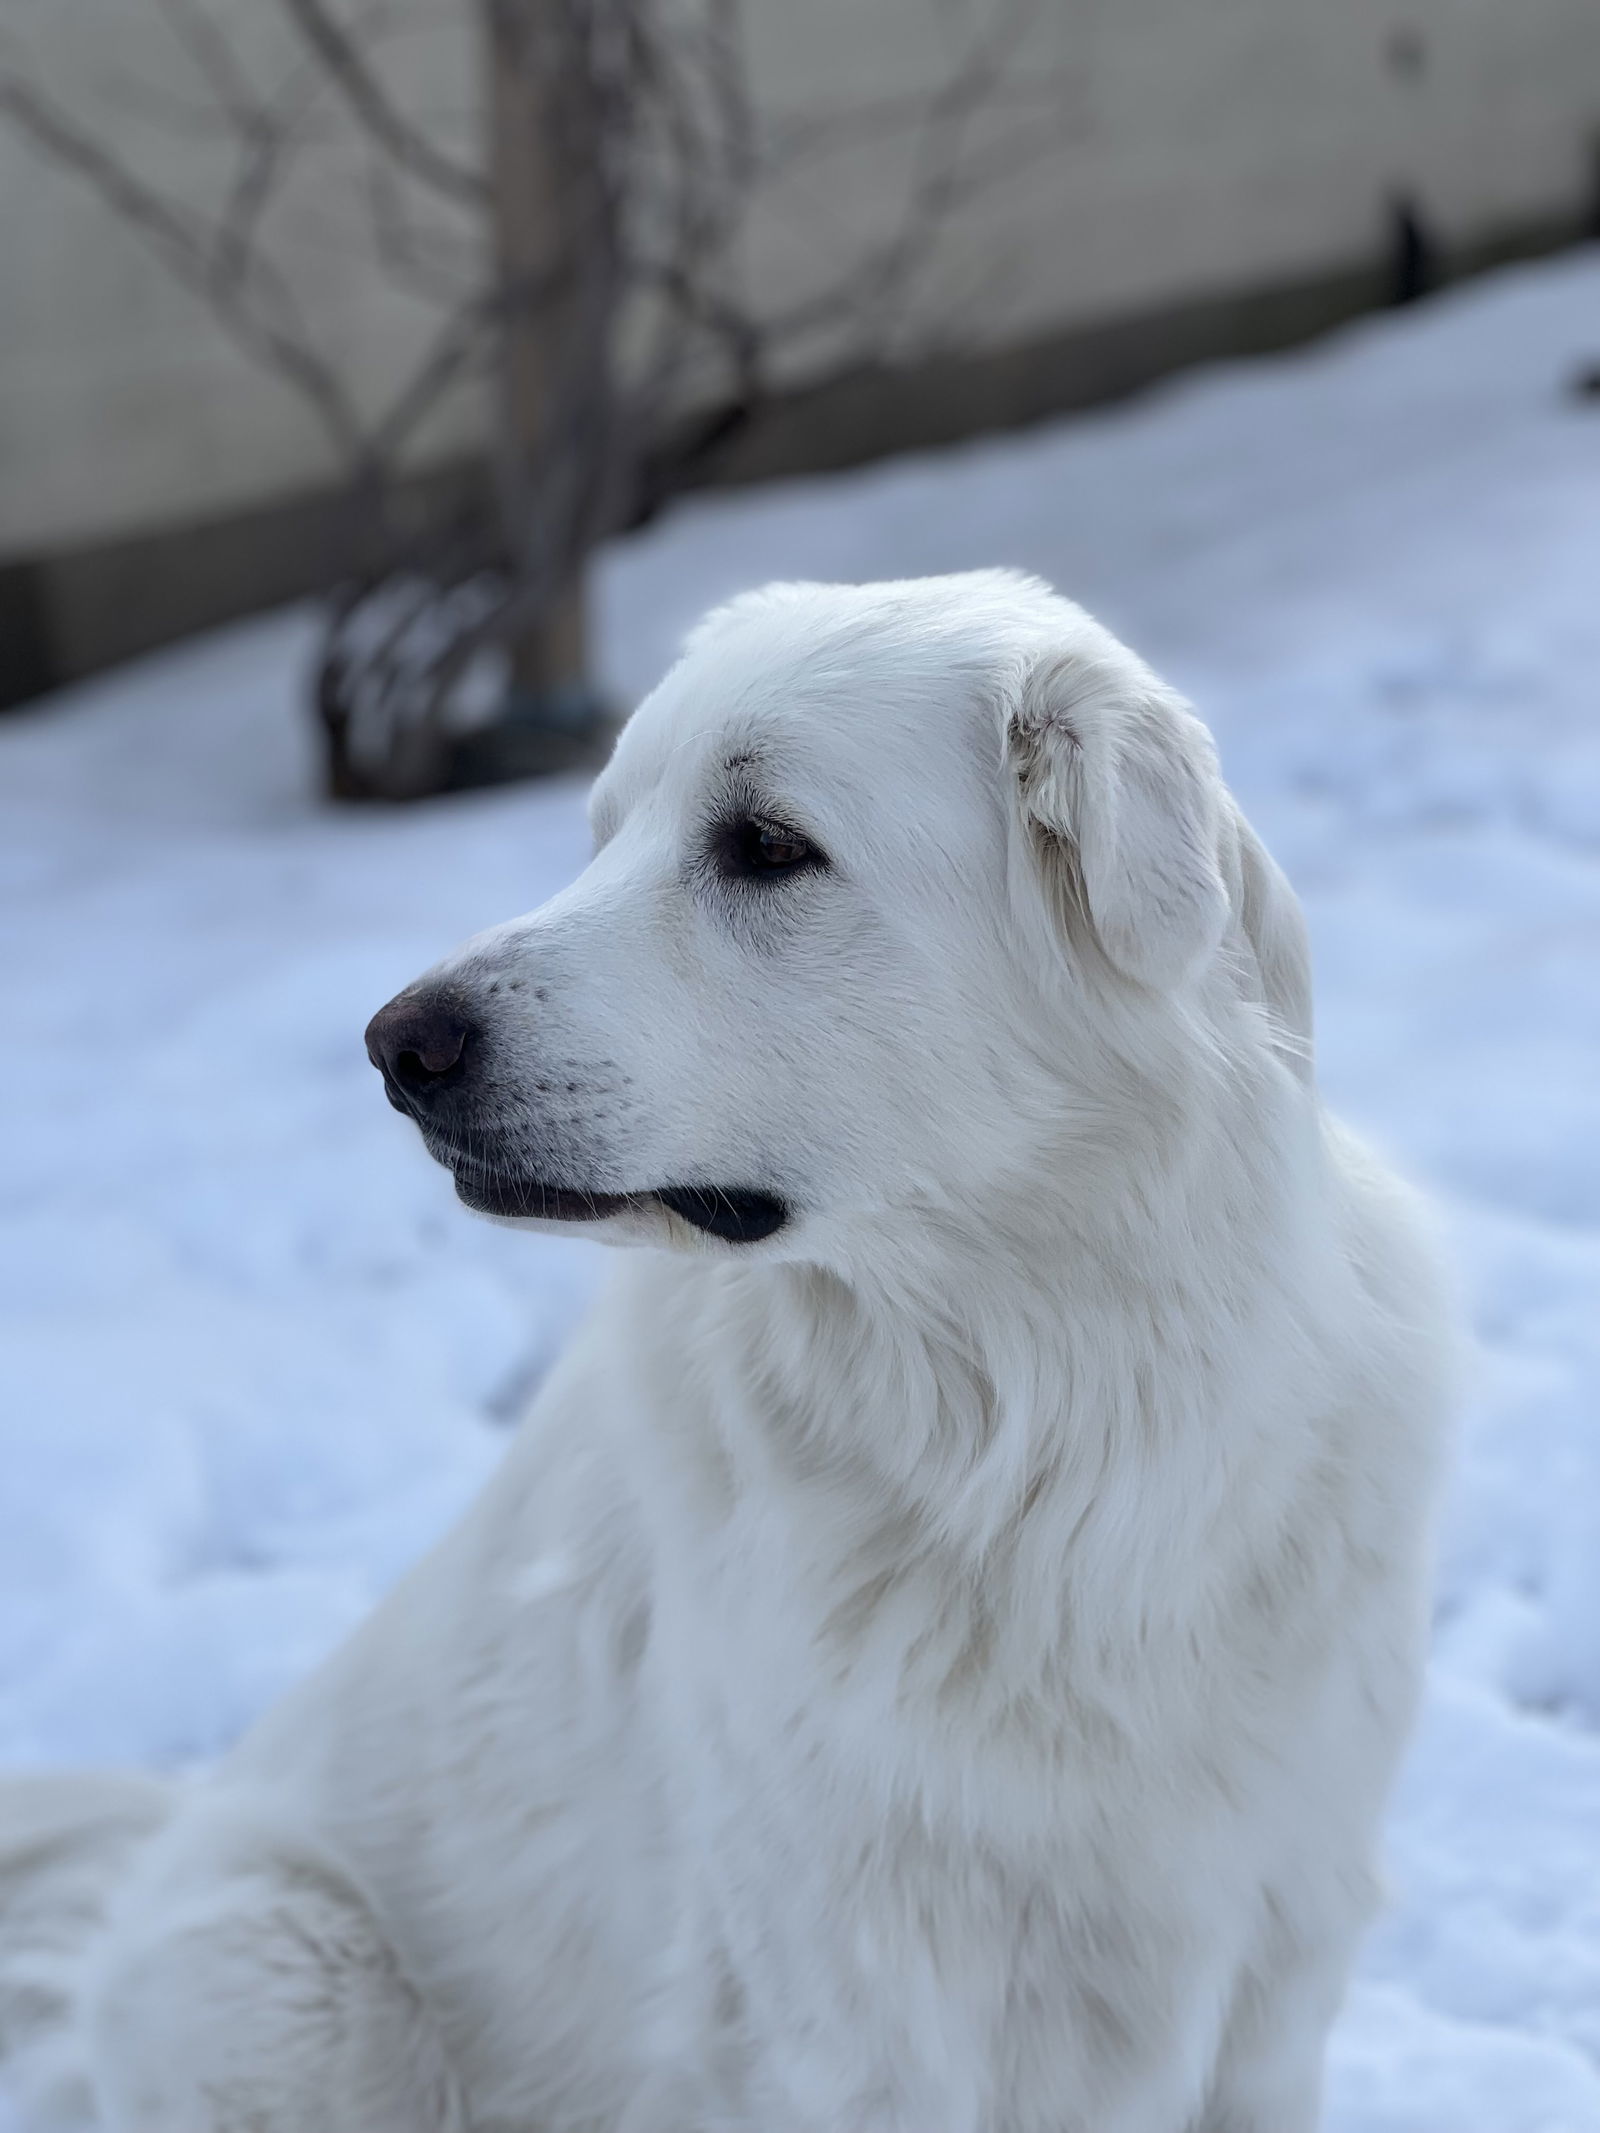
{"x":730,"y":1212}
{"x":736,"y":1216}
{"x":491,"y":1194}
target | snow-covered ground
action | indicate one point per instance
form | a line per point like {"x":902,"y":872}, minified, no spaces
{"x":253,"y":1355}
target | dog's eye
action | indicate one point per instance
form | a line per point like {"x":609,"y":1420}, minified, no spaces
{"x":754,"y":847}
{"x":764,"y":844}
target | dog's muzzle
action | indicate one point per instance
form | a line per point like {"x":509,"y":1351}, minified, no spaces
{"x":429,"y":1049}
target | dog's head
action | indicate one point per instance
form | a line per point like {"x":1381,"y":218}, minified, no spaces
{"x":895,"y":886}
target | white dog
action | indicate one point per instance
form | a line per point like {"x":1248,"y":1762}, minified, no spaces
{"x":934,"y":1659}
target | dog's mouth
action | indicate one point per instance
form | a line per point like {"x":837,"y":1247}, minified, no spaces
{"x":735,"y":1214}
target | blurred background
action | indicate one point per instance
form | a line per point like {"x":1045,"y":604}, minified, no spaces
{"x":385,"y":386}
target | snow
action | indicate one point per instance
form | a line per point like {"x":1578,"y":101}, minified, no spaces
{"x":253,"y":1356}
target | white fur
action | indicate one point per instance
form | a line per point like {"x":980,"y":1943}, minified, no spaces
{"x":937,"y":1670}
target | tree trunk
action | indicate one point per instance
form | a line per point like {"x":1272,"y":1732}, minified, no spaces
{"x":555,"y":253}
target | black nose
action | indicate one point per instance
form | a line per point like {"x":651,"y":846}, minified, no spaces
{"x":419,"y":1045}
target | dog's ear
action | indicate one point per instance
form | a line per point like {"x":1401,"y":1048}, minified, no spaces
{"x":1276,"y":951}
{"x":1121,"y":791}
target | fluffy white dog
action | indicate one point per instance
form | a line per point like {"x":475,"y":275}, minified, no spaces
{"x":934,"y":1658}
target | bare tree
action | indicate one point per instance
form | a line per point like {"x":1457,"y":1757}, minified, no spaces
{"x":592,"y":272}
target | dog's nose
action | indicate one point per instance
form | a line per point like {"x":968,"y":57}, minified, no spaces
{"x":418,"y":1043}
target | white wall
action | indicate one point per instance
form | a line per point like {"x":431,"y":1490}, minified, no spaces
{"x":1204,"y":146}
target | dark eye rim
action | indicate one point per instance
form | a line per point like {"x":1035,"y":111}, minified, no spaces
{"x":758,"y":847}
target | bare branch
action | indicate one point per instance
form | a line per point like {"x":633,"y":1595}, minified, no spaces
{"x":936,"y":182}
{"x":243,"y":305}
{"x":215,"y":60}
{"x":370,"y":103}
{"x":462,"y":340}
{"x":263,"y":158}
{"x":864,"y":307}
{"x":428,"y":264}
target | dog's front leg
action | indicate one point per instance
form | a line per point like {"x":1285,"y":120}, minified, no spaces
{"x":246,"y":1987}
{"x":1269,"y":2073}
